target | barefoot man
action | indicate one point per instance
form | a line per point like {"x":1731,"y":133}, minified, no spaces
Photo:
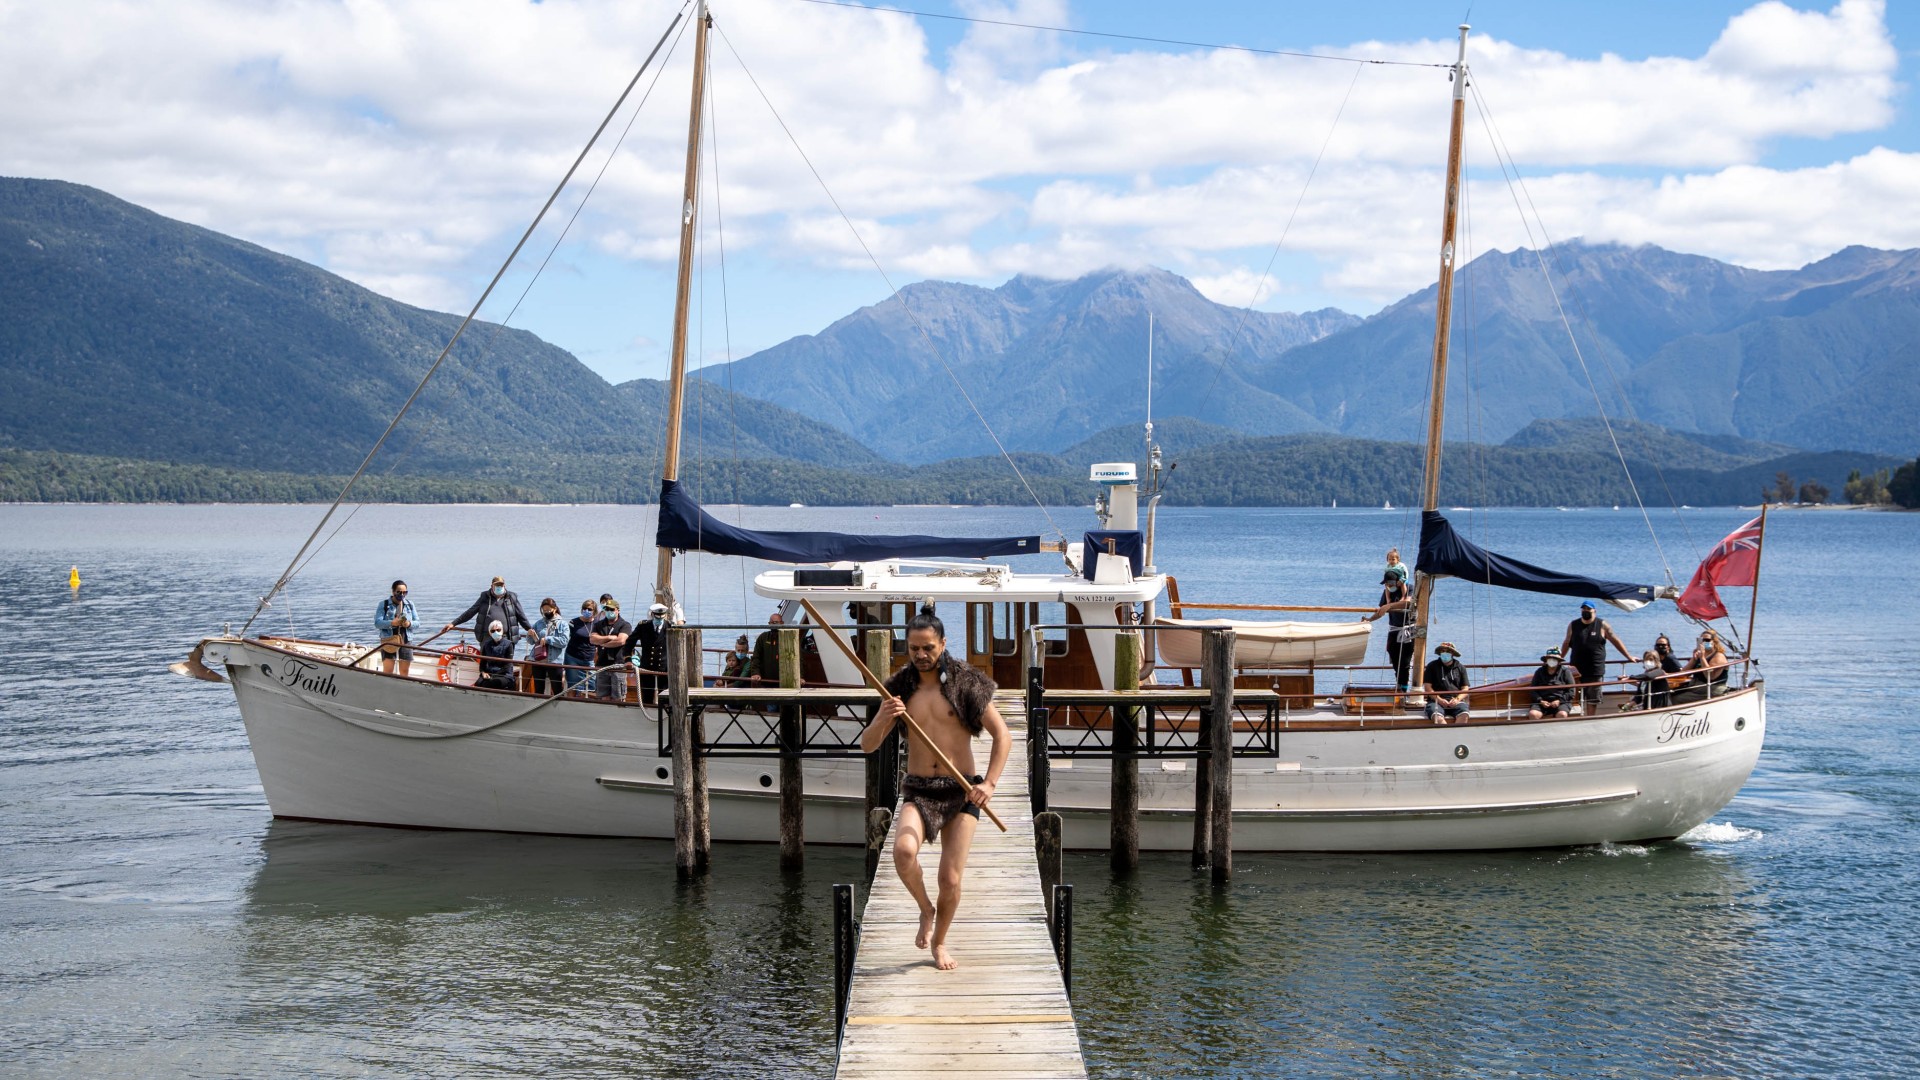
{"x":952,"y":703}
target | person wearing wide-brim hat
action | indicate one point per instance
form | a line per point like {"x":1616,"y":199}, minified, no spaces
{"x":1552,"y":684}
{"x":1445,"y":683}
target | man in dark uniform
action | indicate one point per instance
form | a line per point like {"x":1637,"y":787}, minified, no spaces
{"x":649,"y":643}
{"x":1585,"y":647}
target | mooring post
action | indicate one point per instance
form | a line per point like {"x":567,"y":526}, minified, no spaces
{"x":1219,"y":676}
{"x":1203,"y":764}
{"x":1063,"y":934}
{"x":1123,"y":819}
{"x":1047,"y":848}
{"x":793,"y":808}
{"x":680,"y":735}
{"x":697,"y":725}
{"x":1039,"y":738}
{"x":844,"y":944}
{"x":883,"y":773}
{"x":879,"y":821}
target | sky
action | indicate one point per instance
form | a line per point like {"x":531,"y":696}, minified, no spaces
{"x":407,"y":145}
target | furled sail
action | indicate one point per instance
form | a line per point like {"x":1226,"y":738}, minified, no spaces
{"x":1445,"y":553}
{"x":684,"y":526}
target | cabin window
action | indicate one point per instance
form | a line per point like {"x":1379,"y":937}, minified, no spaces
{"x":1054,"y":617}
{"x":1005,"y":639}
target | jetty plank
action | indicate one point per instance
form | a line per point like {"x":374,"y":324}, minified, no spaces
{"x":1005,"y":1011}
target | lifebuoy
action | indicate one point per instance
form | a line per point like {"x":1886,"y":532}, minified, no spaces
{"x":460,"y":665}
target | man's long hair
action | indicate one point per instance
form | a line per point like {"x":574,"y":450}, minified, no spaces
{"x":968,"y":692}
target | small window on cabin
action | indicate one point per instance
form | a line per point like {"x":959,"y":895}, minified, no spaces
{"x":979,"y":630}
{"x":1005,"y":641}
{"x":1054,"y":617}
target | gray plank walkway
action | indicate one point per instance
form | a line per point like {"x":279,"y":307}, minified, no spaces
{"x":1005,"y":1011}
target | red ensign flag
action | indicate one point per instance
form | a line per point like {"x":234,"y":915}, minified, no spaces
{"x":1734,"y":561}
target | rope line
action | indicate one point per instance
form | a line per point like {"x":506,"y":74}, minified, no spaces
{"x":1125,"y":37}
{"x":1516,"y":186}
{"x":286,"y":575}
{"x":897,"y":295}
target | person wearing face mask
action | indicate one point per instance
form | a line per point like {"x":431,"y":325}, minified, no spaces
{"x":549,"y":637}
{"x":648,"y":647}
{"x":1396,"y":604}
{"x":391,"y":620}
{"x":1707,"y":669}
{"x":1552,"y":687}
{"x":1585,"y":647}
{"x":613,"y":637}
{"x":1445,"y":683}
{"x":1650,"y":683}
{"x":741,"y":658}
{"x":496,"y":604}
{"x":496,"y":658}
{"x":581,"y":650}
{"x":1663,"y":649}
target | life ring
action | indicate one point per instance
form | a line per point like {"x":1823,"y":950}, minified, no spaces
{"x":460,"y":665}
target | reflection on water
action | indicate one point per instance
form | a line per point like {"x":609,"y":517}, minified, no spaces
{"x":396,"y":948}
{"x":1581,"y":963}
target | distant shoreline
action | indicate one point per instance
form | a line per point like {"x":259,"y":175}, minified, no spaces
{"x":1755,"y":507}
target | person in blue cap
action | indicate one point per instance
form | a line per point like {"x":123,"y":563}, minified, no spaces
{"x":1585,"y":647}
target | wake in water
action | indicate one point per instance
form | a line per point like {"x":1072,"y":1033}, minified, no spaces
{"x":1719,"y":832}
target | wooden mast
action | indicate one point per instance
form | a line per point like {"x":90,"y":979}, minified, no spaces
{"x":677,"y":379}
{"x":1442,"y":331}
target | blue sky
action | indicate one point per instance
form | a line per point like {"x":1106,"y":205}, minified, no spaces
{"x":404,"y":145}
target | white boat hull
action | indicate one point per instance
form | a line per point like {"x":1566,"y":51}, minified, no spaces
{"x":358,"y":746}
{"x":1616,"y":778}
{"x":335,"y":743}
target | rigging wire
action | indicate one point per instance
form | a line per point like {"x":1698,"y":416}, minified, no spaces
{"x":897,"y":295}
{"x":1233,"y":339}
{"x":1516,"y":186}
{"x":726,"y":328}
{"x":286,"y":575}
{"x":1123,"y":37}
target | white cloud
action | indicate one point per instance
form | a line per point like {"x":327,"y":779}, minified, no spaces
{"x":406,"y":144}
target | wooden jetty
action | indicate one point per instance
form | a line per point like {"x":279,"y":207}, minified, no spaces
{"x":1005,"y":1011}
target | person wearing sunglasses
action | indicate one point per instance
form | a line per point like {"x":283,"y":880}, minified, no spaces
{"x":391,"y":620}
{"x":1708,"y":667}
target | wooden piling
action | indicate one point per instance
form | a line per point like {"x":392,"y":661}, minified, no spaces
{"x":1047,"y":847}
{"x":793,"y":810}
{"x":697,"y":726}
{"x":1203,"y":766}
{"x":883,"y":765}
{"x":1219,"y":676}
{"x":879,"y":823}
{"x":680,"y":733}
{"x":1123,"y":819}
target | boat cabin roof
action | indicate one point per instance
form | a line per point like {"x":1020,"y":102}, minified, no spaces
{"x":910,"y":581}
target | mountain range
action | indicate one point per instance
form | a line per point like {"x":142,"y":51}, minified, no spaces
{"x":138,"y":349}
{"x":1822,"y":356}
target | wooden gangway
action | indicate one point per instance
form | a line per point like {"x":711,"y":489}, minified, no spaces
{"x":1005,"y":1011}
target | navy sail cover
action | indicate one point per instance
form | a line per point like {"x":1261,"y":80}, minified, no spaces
{"x":684,"y":526}
{"x":1445,"y":553}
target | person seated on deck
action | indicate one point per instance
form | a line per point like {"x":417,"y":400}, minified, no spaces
{"x":1551,"y":684}
{"x":1708,"y":669}
{"x":1664,"y":650}
{"x":496,"y":658}
{"x":1650,"y":684}
{"x":1445,"y":684}
{"x":734,"y":671}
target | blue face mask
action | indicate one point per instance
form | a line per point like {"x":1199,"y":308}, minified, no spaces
{"x":499,"y":590}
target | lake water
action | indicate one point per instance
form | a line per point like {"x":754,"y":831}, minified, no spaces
{"x":154,"y":920}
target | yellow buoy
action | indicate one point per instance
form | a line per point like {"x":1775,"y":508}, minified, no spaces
{"x":73,"y":578}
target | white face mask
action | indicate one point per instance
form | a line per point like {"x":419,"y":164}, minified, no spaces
{"x":1650,"y":664}
{"x":1551,"y":664}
